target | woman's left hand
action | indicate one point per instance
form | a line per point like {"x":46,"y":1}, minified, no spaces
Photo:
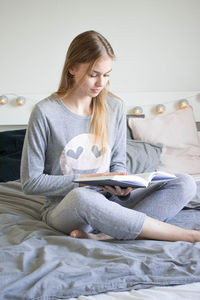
{"x":117,"y":190}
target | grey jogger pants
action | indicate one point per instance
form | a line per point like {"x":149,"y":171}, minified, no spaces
{"x":87,"y":209}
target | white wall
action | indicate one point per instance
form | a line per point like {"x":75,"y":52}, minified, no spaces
{"x":156,"y":42}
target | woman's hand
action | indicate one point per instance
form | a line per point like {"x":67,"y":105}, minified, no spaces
{"x":114,"y":190}
{"x":117,"y":190}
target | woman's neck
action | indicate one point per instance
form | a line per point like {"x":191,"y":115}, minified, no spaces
{"x":80,"y":106}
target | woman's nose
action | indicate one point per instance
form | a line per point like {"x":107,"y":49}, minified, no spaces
{"x":100,"y":81}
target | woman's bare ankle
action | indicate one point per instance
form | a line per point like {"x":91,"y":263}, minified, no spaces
{"x":191,"y":236}
{"x":195,"y":236}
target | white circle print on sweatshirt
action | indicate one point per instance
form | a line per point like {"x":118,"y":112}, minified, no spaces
{"x":81,"y":155}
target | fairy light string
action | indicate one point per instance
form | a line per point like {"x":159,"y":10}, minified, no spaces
{"x":161,"y":108}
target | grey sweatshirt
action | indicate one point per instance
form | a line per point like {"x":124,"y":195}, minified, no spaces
{"x":58,"y":147}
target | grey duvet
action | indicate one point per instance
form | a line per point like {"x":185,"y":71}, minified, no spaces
{"x":38,"y":262}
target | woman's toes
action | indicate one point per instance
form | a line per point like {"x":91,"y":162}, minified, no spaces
{"x":79,"y":234}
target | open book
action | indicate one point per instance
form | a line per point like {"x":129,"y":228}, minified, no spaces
{"x":136,"y":180}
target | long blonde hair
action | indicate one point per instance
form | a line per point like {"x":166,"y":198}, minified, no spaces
{"x":88,"y":47}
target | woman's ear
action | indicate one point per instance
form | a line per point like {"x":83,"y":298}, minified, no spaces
{"x":72,"y":70}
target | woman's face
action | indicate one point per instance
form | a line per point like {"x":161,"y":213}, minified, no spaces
{"x":92,"y":83}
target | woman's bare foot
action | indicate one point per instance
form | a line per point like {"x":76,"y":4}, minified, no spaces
{"x":79,"y":234}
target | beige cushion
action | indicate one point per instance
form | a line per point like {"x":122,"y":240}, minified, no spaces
{"x":177,"y":134}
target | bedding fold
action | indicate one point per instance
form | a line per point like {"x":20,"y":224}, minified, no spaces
{"x":38,"y":262}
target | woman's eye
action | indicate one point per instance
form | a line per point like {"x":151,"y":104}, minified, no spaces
{"x":93,"y":75}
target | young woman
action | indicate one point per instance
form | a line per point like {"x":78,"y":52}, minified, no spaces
{"x":80,"y":130}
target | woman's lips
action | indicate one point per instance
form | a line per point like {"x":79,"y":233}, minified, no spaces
{"x":96,"y":90}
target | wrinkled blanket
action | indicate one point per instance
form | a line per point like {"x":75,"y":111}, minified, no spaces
{"x":38,"y":262}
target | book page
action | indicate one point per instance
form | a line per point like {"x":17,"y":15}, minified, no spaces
{"x":143,"y":178}
{"x":139,"y":180}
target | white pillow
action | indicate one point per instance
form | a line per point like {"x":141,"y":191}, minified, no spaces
{"x":177,"y":133}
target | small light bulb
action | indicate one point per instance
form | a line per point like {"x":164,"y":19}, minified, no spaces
{"x":183,"y":104}
{"x":20,"y":100}
{"x":3,"y":100}
{"x":160,"y":109}
{"x":137,"y":110}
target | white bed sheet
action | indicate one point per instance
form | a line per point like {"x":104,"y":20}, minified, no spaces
{"x":196,"y":177}
{"x":179,"y":292}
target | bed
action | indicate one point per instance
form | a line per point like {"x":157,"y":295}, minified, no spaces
{"x":38,"y":262}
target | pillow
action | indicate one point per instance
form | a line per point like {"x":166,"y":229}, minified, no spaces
{"x":11,"y":143}
{"x":128,"y":131}
{"x":10,"y":167}
{"x":177,"y":133}
{"x":142,"y":157}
